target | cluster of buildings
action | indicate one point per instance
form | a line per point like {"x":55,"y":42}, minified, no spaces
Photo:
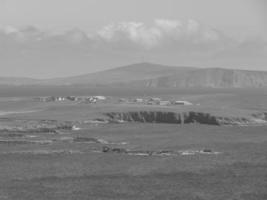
{"x":159,"y":101}
{"x":95,"y":99}
{"x":85,"y":99}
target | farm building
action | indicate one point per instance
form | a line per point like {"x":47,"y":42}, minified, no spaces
{"x":138,"y":100}
{"x":60,"y":98}
{"x":100,"y":98}
{"x":155,"y":99}
{"x":45,"y":99}
{"x":184,"y":103}
{"x":164,"y":103}
{"x":71,"y":98}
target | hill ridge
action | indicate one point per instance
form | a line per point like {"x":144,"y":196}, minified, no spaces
{"x":157,"y":76}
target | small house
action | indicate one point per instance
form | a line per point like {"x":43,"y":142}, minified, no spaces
{"x":100,"y":98}
{"x":71,"y":98}
{"x":184,"y":103}
{"x":164,"y":103}
{"x":155,"y":99}
{"x":60,"y":98}
{"x":138,"y":100}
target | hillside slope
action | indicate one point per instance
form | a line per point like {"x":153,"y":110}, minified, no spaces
{"x":157,"y":76}
{"x":122,"y":75}
{"x":17,"y":81}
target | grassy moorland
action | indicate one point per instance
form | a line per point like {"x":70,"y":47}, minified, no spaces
{"x":61,"y":163}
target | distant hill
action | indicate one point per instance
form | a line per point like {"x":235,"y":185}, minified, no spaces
{"x":122,"y":75}
{"x":158,"y":76}
{"x":17,"y":81}
{"x":209,"y":78}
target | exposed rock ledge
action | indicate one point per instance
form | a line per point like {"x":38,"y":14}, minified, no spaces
{"x":185,"y":118}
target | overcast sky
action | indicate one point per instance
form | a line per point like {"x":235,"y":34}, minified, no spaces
{"x":164,"y":31}
{"x":229,"y":15}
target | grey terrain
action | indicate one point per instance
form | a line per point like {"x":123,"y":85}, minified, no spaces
{"x":157,"y":76}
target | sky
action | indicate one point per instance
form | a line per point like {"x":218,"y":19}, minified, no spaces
{"x":206,"y":33}
{"x":233,"y":16}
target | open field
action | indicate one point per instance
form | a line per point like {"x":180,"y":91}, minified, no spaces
{"x":54,"y":150}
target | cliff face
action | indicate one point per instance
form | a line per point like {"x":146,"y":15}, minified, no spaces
{"x":185,"y":118}
{"x":209,"y":78}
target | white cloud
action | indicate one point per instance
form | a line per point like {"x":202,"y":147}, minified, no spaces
{"x":164,"y":41}
{"x":163,"y":32}
{"x":133,"y":32}
{"x":163,"y":37}
{"x":167,"y":25}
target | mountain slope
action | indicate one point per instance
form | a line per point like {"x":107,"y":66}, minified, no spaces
{"x":154,"y":75}
{"x":157,"y":76}
{"x":126,"y":74}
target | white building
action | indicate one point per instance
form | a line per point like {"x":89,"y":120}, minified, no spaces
{"x":100,"y":98}
{"x":138,"y":100}
{"x":60,"y":98}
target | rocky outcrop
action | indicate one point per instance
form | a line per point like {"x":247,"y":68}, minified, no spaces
{"x":8,"y":125}
{"x":184,"y":118}
{"x":190,"y":152}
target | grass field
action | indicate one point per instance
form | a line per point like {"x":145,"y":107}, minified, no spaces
{"x":53,"y":165}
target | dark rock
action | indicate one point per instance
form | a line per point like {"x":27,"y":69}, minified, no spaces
{"x":119,"y":150}
{"x":85,"y":139}
{"x":105,"y":149}
{"x":207,"y":150}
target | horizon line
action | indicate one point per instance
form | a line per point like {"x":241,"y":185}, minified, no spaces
{"x":132,"y":64}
